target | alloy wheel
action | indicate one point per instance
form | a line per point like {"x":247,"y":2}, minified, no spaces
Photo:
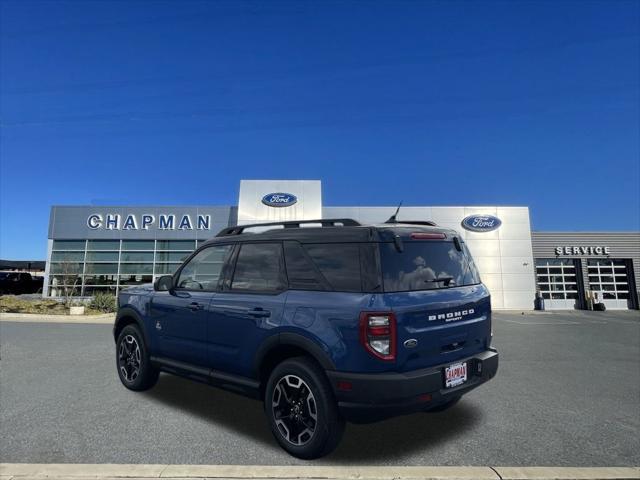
{"x":294,"y":410}
{"x":129,"y":358}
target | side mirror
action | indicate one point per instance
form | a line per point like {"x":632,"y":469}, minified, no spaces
{"x":163,"y":284}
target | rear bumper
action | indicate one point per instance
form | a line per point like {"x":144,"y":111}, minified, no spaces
{"x":381,"y":395}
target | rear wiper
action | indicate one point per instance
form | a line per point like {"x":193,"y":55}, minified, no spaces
{"x":446,"y":280}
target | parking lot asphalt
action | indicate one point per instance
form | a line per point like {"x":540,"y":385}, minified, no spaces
{"x":567,"y":393}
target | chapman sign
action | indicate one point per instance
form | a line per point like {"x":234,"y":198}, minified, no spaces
{"x":145,"y":222}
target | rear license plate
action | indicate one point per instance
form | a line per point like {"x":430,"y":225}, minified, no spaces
{"x":455,"y":375}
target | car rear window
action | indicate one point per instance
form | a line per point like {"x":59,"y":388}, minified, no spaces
{"x":426,"y":265}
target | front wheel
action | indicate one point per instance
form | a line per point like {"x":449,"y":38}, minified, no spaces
{"x":302,"y":412}
{"x":132,"y":358}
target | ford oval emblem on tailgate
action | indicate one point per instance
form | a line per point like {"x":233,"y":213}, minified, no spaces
{"x":411,"y":343}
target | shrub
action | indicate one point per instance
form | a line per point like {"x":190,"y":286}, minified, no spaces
{"x":103,"y":302}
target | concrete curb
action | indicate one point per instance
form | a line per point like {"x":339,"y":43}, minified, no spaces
{"x":107,"y":318}
{"x":23,"y":471}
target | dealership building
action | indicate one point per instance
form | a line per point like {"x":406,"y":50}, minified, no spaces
{"x":105,"y":249}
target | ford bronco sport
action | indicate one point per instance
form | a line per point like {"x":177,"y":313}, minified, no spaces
{"x":323,"y":321}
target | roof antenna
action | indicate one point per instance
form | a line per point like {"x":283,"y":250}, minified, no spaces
{"x":392,"y":218}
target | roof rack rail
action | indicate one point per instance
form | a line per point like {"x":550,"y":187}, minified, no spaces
{"x":428,"y":223}
{"x":325,"y":222}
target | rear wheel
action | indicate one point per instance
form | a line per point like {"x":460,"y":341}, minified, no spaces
{"x":132,"y":359}
{"x":302,"y":412}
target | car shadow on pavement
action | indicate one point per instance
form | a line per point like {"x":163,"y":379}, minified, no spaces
{"x":216,"y":406}
{"x":395,"y":437}
{"x":401,"y":436}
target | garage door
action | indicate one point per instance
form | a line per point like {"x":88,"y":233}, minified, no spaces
{"x":610,"y":279}
{"x":557,"y":282}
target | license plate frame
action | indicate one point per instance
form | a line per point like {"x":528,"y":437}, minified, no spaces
{"x":456,"y":374}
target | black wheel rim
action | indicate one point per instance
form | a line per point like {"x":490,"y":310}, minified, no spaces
{"x":294,"y":410}
{"x":129,"y":358}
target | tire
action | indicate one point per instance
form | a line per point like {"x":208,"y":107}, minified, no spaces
{"x":298,"y":386}
{"x":444,"y":406}
{"x":132,"y":360}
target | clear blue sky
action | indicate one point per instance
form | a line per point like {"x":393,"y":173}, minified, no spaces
{"x":434,"y":103}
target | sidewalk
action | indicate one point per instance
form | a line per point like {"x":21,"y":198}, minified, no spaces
{"x":107,"y":318}
{"x":23,"y":471}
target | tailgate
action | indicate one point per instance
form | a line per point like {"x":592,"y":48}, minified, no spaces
{"x":440,"y":326}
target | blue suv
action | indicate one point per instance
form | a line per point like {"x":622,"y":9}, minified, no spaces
{"x":324,"y":321}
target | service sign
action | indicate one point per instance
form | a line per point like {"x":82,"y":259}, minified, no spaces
{"x":279,"y":199}
{"x":481,"y":223}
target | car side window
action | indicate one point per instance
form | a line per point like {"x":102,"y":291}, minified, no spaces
{"x":203,"y":271}
{"x":260,"y":267}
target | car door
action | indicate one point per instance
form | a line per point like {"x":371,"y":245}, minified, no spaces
{"x":249,"y":305}
{"x":180,"y":316}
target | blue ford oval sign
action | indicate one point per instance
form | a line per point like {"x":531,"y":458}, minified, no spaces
{"x":481,"y":223}
{"x":279,"y":199}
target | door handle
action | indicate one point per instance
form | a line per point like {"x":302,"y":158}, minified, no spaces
{"x":259,"y":313}
{"x":195,"y":306}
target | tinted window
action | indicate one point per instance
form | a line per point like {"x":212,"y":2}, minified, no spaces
{"x":426,"y":266}
{"x":300,"y":270}
{"x":203,"y":270}
{"x":260,"y":267}
{"x":339,"y":264}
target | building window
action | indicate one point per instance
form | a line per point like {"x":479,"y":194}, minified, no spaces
{"x":91,"y":266}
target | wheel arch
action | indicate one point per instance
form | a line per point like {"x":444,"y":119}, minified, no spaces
{"x":287,"y":345}
{"x":127,"y":316}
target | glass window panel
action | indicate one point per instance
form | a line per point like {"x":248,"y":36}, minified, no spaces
{"x":65,"y":280}
{"x":136,"y":257}
{"x":570,"y":279}
{"x":555,"y":270}
{"x":623,"y":295}
{"x":67,"y":256}
{"x":557,"y":279}
{"x":138,"y":244}
{"x":135,"y":279}
{"x":172,"y":256}
{"x":544,"y":287}
{"x":175,"y":245}
{"x":546,"y":295}
{"x":103,"y":245}
{"x":557,"y":296}
{"x":102,"y":256}
{"x":100,"y":279}
{"x":88,"y":291}
{"x":166,"y":268}
{"x":66,"y":268}
{"x":136,"y":268}
{"x":609,"y":295}
{"x":203,"y":271}
{"x":608,"y":287}
{"x":543,"y":278}
{"x":572,"y":295}
{"x":101,"y":268}
{"x":68,"y":245}
{"x":607,"y":271}
{"x":617,"y":263}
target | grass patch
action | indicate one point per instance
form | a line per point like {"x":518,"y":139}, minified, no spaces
{"x":13,"y":304}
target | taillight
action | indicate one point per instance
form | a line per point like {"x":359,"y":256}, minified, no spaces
{"x":378,"y":334}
